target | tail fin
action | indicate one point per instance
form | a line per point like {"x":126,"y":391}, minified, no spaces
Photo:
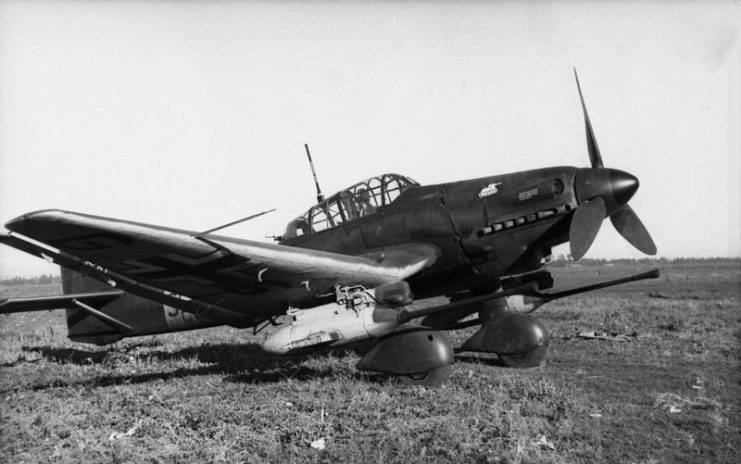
{"x":72,"y":282}
{"x":142,"y":316}
{"x":83,"y":326}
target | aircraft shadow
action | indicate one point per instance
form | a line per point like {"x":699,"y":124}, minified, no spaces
{"x":241,"y":363}
{"x":245,"y":363}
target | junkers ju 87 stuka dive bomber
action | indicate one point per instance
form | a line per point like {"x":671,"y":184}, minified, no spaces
{"x":348,"y":269}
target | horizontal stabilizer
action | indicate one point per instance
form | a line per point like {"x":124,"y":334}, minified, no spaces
{"x":44,"y":303}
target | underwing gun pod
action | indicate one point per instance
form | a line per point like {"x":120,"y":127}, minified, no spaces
{"x":358,"y":314}
{"x":508,"y":330}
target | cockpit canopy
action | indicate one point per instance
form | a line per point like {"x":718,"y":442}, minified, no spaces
{"x":361,"y":200}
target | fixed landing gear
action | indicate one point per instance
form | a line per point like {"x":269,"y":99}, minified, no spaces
{"x":418,"y":355}
{"x":519,"y":340}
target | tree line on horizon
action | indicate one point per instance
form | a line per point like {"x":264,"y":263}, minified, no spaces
{"x":43,"y":279}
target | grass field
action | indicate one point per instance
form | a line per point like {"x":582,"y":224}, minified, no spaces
{"x":669,"y":393}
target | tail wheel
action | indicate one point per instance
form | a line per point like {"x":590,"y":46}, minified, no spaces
{"x":434,"y":378}
{"x":533,"y":358}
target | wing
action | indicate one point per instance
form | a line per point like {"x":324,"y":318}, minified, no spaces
{"x":236,"y":278}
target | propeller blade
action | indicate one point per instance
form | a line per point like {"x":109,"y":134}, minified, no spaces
{"x":594,"y":155}
{"x":628,"y":224}
{"x":585,"y":224}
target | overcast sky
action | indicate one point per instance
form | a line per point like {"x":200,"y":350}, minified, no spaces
{"x":193,"y":114}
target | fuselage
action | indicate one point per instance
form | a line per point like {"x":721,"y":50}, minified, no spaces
{"x":484,"y":228}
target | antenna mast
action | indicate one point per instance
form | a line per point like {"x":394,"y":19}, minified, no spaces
{"x":319,"y":195}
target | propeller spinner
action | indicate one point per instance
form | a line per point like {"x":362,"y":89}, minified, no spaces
{"x":603,"y":192}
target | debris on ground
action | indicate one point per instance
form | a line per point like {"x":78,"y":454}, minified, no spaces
{"x":319,"y":444}
{"x":544,"y":443}
{"x":660,"y":295}
{"x":595,"y":415}
{"x":674,"y":403}
{"x":603,"y":335}
{"x":699,"y":383}
{"x":118,"y":435}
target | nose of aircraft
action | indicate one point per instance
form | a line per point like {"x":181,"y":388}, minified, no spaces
{"x":623,"y":186}
{"x":616,"y":187}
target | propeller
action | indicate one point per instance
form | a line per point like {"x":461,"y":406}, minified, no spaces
{"x":601,"y":192}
